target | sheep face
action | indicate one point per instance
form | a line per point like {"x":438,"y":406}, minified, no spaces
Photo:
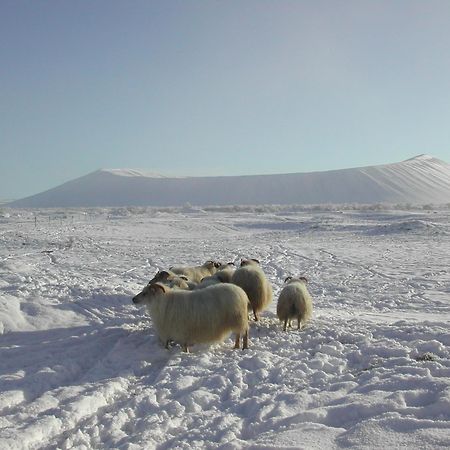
{"x":211,"y":265}
{"x":150,"y":291}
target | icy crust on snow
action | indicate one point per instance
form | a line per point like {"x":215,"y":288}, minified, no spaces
{"x":81,"y":367}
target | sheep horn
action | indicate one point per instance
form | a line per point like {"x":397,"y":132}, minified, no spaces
{"x":158,"y":286}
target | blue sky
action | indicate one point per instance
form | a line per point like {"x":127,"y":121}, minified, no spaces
{"x":218,"y":87}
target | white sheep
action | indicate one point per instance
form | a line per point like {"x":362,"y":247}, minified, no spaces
{"x":294,"y":302}
{"x":224,"y":274}
{"x":200,"y":316}
{"x":171,"y":279}
{"x":252,"y":279}
{"x":196,"y":273}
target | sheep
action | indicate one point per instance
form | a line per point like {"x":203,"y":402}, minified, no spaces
{"x":224,"y":274}
{"x":294,"y":302}
{"x":251,"y":261}
{"x":252,"y":279}
{"x":171,"y":279}
{"x":196,"y":273}
{"x":201,"y":316}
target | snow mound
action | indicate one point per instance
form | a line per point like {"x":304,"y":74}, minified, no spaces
{"x":411,"y":226}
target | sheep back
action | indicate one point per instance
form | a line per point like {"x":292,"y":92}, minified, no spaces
{"x":200,"y":316}
{"x":223,"y":275}
{"x":196,"y":273}
{"x":253,"y":281}
{"x":294,"y":302}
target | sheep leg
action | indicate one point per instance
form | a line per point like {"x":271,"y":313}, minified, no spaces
{"x":256,"y":315}
{"x":299,"y":319}
{"x":245,"y":340}
{"x":236,"y":342}
{"x":186,"y":348}
{"x":285,"y":325}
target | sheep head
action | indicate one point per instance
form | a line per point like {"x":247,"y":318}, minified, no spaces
{"x":161,"y":275}
{"x":252,"y":261}
{"x":292,"y":279}
{"x":150,"y":291}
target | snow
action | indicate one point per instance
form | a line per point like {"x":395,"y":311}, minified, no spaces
{"x":81,"y":366}
{"x":422,"y":179}
{"x":133,"y":173}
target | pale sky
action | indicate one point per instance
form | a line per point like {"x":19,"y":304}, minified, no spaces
{"x":218,"y":87}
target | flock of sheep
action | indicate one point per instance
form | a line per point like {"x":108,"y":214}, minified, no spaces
{"x":202,"y":304}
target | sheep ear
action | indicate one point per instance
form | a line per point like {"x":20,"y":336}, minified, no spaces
{"x":231,"y":264}
{"x":158,"y":288}
{"x":183,"y":277}
{"x":303,"y":279}
{"x":287,"y":279}
{"x":256,"y":260}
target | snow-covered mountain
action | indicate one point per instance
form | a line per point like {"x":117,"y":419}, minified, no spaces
{"x":420,"y":179}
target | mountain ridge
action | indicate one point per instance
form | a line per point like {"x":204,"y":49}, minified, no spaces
{"x":420,"y":179}
{"x":150,"y":174}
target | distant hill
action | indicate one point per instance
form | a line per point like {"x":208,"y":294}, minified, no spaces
{"x":421,"y":179}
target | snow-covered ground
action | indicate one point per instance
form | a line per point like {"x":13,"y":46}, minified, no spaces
{"x":81,"y":367}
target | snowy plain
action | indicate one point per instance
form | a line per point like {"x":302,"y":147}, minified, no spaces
{"x":81,"y":366}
